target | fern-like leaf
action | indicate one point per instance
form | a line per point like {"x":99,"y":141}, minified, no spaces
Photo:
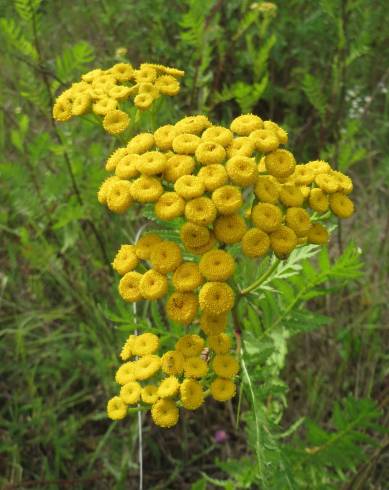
{"x":314,"y":92}
{"x":73,"y":60}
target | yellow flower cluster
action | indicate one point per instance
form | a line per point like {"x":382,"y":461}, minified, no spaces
{"x":181,"y":378}
{"x":104,"y":92}
{"x":227,"y":186}
{"x":224,"y":186}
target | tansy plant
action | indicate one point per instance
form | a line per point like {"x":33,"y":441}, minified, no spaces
{"x":231,"y":191}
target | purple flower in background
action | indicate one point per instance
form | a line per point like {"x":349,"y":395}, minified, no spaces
{"x":220,"y":436}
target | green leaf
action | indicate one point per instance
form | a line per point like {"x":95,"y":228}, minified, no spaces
{"x":314,"y":92}
{"x":73,"y":60}
{"x":13,"y":34}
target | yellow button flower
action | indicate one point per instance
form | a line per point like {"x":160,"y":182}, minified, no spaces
{"x":177,"y":166}
{"x":217,"y":265}
{"x":126,"y":373}
{"x":125,"y":260}
{"x":291,"y":195}
{"x":204,"y":248}
{"x":146,"y":189}
{"x":246,"y":124}
{"x":192,"y":395}
{"x":169,"y":206}
{"x":281,"y":134}
{"x":146,"y":244}
{"x":129,"y":287}
{"x":165,"y":413}
{"x":115,"y":122}
{"x":62,"y":110}
{"x":126,"y":351}
{"x":151,"y":163}
{"x":144,"y":344}
{"x":122,"y":71}
{"x":164,"y":137}
{"x":105,"y":188}
{"x":242,"y":170}
{"x":255,"y":243}
{"x":218,"y":134}
{"x":303,"y":175}
{"x":141,"y":143}
{"x":209,"y":153}
{"x":130,"y":392}
{"x":223,"y":389}
{"x":318,"y":167}
{"x":119,"y":92}
{"x":241,"y":146}
{"x":146,"y":74}
{"x":105,"y":105}
{"x":190,"y":345}
{"x":341,"y":205}
{"x":116,"y":408}
{"x":227,"y":199}
{"x":182,"y":307}
{"x":344,"y":182}
{"x":267,"y":217}
{"x":168,"y":387}
{"x":220,"y":343}
{"x":213,"y":176}
{"x":192,"y":124}
{"x":266,"y":189}
{"x":187,"y":277}
{"x":193,"y":235}
{"x":172,"y":362}
{"x":283,"y":241}
{"x":115,"y":158}
{"x":229,"y":229}
{"x":143,"y":101}
{"x":280,"y":163}
{"x":195,"y":367}
{"x":81,"y":104}
{"x":318,"y":200}
{"x":166,"y":257}
{"x":216,"y":298}
{"x":318,"y":235}
{"x":167,"y":85}
{"x":327,"y":183}
{"x":147,"y":366}
{"x":201,"y":211}
{"x":213,"y":324}
{"x":225,"y":366}
{"x":153,"y":285}
{"x":264,"y":140}
{"x":119,"y":197}
{"x":189,"y":186}
{"x":149,"y":394}
{"x":298,"y":220}
{"x":126,"y":168}
{"x":186,"y":143}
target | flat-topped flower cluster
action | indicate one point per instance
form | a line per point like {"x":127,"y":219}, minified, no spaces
{"x":103,"y":92}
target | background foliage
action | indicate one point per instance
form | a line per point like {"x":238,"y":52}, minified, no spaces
{"x":313,"y":400}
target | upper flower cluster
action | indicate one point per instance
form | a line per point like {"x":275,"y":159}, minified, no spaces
{"x":104,"y":91}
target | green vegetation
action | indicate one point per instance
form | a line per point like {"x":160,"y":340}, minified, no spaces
{"x":313,"y":397}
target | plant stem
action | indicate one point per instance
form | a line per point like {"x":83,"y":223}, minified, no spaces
{"x":261,"y":278}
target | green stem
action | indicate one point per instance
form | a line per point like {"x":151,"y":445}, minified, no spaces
{"x":261,"y":278}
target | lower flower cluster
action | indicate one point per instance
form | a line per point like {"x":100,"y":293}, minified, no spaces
{"x":180,"y":378}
